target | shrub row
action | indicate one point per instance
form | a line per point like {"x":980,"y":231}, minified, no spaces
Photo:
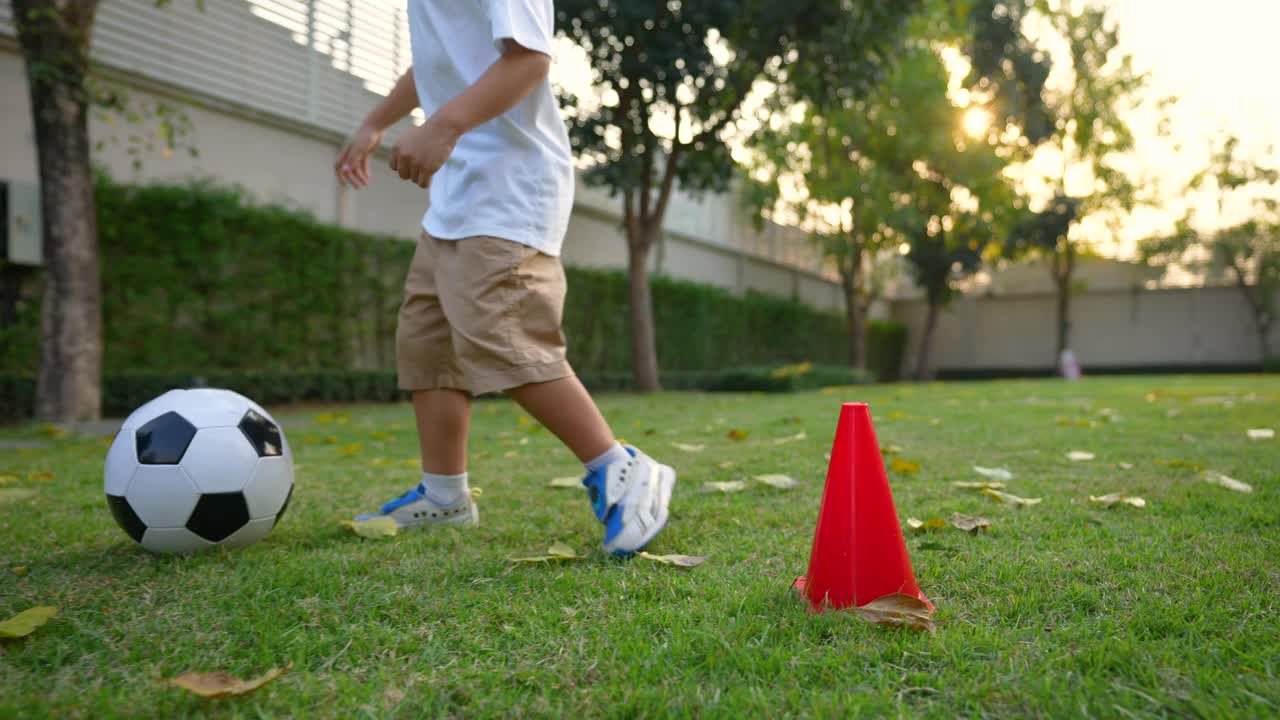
{"x":198,"y":281}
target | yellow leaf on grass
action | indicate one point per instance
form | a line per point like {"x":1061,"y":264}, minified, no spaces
{"x":379,"y":435}
{"x":726,"y":464}
{"x":376,"y":527}
{"x":899,"y":610}
{"x":25,"y":622}
{"x":557,"y":551}
{"x":19,"y":570}
{"x":1009,"y":498}
{"x":905,"y":467}
{"x":688,"y":447}
{"x":221,"y":684}
{"x":350,"y":449}
{"x":378,"y":461}
{"x":6,"y":478}
{"x":727,"y":486}
{"x":15,"y":494}
{"x":1117,"y":499}
{"x":684,"y":561}
{"x":933,"y":523}
{"x":891,"y":450}
{"x":412,"y":462}
{"x":1260,"y":433}
{"x":736,"y":434}
{"x":1182,"y":464}
{"x":311,"y":438}
{"x":969,"y":523}
{"x":1230,"y":483}
{"x":331,"y":439}
{"x":895,"y":415}
{"x":790,"y":438}
{"x":328,"y":417}
{"x":993,"y":473}
{"x":1124,"y":465}
{"x":978,"y":485}
{"x":1075,"y":422}
{"x":523,"y":420}
{"x":1080,"y":456}
{"x":782,"y":482}
{"x":42,"y":475}
{"x":569,"y":481}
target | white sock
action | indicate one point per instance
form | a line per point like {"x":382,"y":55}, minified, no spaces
{"x":617,"y":453}
{"x":444,"y":490}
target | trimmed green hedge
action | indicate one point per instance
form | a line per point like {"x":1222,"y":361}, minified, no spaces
{"x":199,"y":282}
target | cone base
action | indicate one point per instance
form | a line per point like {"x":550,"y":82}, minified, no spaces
{"x":801,"y":582}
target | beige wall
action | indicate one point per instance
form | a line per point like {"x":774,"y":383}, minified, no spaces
{"x":1184,"y":326}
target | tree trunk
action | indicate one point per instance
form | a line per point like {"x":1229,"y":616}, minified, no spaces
{"x":1063,"y":268}
{"x":644,"y":346}
{"x":855,"y":318}
{"x":55,"y":41}
{"x":926,"y":343}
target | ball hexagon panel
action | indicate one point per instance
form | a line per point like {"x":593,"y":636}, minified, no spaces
{"x":220,"y":460}
{"x":270,"y":485}
{"x":262,"y":433}
{"x":163,"y":439}
{"x":162,"y":495}
{"x":126,"y":518}
{"x":121,"y":461}
{"x":217,"y":516}
{"x":173,"y":540}
{"x":214,"y":407}
{"x":250,"y":533}
{"x":158,"y":406}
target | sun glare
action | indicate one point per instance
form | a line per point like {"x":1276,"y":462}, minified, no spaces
{"x":976,"y":122}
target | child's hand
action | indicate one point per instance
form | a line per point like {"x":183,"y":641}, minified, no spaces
{"x":352,"y":167}
{"x":421,"y":151}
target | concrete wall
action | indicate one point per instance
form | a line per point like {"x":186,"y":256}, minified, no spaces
{"x":1119,"y":328}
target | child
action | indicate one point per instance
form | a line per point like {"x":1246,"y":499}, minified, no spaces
{"x":485,"y":292}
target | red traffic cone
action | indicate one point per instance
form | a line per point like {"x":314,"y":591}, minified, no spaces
{"x":858,"y":551}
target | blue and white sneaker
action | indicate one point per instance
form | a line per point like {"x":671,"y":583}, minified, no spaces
{"x":415,"y":509}
{"x":631,"y":498}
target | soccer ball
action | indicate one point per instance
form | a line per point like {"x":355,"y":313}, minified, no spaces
{"x":197,"y":468}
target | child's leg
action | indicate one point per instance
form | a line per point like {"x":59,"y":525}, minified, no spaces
{"x":565,"y":408}
{"x":444,"y":417}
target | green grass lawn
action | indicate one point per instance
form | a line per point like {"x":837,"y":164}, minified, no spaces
{"x":1062,"y":609}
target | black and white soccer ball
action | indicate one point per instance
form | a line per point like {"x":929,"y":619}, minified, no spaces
{"x":193,"y":469}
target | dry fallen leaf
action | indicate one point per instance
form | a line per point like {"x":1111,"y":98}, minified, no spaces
{"x":349,"y":449}
{"x":221,"y":684}
{"x":727,"y":486}
{"x":1183,"y":464}
{"x":376,"y":527}
{"x":565,"y":482}
{"x":905,"y":467}
{"x":1230,"y":483}
{"x":42,"y":475}
{"x":8,"y":477}
{"x":891,"y":450}
{"x":790,"y":438}
{"x":1080,"y":456}
{"x":898,"y":610}
{"x":19,"y":570}
{"x":782,"y":482}
{"x":726,"y":464}
{"x":1111,"y":499}
{"x":687,"y":447}
{"x":557,"y":551}
{"x":25,"y":622}
{"x":993,"y":473}
{"x":978,"y":484}
{"x":1125,"y":466}
{"x":736,"y":434}
{"x":969,"y":523}
{"x":15,"y":494}
{"x":684,"y":561}
{"x":934,"y":523}
{"x":1260,"y":433}
{"x":1009,"y":498}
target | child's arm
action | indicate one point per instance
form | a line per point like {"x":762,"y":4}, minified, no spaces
{"x":352,"y":166}
{"x":420,"y":151}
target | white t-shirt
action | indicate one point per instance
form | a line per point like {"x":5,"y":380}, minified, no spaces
{"x":511,"y":177}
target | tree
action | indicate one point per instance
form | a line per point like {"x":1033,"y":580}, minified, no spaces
{"x":55,"y":36}
{"x":670,"y":79}
{"x":1090,"y":130}
{"x":1247,"y":253}
{"x":843,"y":156}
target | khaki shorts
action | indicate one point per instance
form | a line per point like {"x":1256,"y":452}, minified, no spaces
{"x":482,"y":315}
